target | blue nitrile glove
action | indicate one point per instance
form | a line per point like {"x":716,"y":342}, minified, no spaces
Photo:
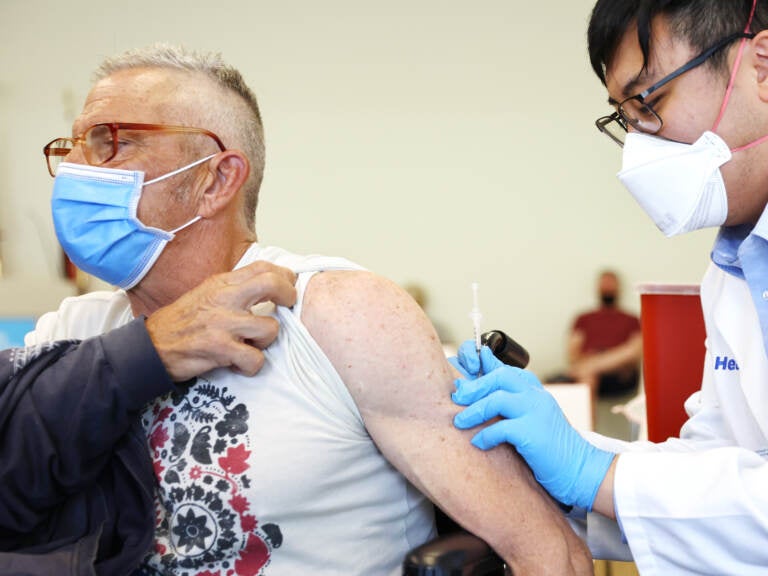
{"x":565,"y":464}
{"x":467,"y":362}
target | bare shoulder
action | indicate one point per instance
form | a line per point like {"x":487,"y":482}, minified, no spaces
{"x":350,"y":293}
{"x":374,"y":333}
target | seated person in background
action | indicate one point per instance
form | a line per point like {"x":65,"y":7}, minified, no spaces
{"x":605,"y":352}
{"x":324,"y":462}
{"x":605,"y":344}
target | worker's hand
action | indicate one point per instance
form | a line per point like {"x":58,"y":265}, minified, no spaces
{"x":570,"y":468}
{"x":467,"y":362}
{"x":212,"y":325}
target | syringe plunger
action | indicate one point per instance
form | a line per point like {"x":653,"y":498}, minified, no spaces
{"x":475,"y":315}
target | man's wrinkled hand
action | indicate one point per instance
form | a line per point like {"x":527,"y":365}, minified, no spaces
{"x":212,"y":326}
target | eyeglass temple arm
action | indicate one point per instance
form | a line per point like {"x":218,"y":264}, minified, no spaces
{"x":695,"y":62}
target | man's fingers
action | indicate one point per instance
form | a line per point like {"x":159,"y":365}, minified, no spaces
{"x":190,"y":344}
{"x":245,"y":359}
{"x":258,"y":331}
{"x":274,"y":286}
{"x":257,"y":268}
{"x":213,"y":326}
{"x":237,"y":328}
{"x":244,"y":341}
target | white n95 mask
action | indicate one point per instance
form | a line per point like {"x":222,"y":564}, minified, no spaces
{"x":678,"y":185}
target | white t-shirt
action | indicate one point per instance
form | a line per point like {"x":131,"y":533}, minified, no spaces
{"x":271,"y":475}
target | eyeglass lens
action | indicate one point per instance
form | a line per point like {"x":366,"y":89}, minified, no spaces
{"x":634,"y":113}
{"x":56,"y":152}
{"x":98,"y":144}
{"x":640,"y":116}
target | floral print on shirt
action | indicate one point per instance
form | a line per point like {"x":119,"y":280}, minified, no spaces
{"x":200,"y":450}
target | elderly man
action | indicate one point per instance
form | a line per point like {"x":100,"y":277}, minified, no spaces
{"x":76,"y":474}
{"x":309,"y":466}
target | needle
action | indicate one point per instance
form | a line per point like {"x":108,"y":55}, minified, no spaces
{"x":476,"y":316}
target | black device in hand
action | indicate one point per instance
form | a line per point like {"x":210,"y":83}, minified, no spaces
{"x":505,"y":348}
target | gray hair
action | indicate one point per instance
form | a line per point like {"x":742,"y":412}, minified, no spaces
{"x":238,"y":117}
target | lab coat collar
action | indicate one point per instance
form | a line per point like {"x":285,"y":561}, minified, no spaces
{"x":742,"y":251}
{"x":726,"y":248}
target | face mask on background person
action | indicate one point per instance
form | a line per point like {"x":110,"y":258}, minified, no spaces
{"x":608,"y":299}
{"x":679,"y":185}
{"x":94,"y":215}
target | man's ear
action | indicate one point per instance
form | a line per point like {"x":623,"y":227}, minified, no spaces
{"x":760,"y":62}
{"x":228,"y":171}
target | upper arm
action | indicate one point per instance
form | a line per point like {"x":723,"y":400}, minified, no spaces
{"x":380,"y":342}
{"x":391,"y":360}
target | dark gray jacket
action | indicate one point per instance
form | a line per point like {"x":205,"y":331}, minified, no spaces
{"x":76,"y":479}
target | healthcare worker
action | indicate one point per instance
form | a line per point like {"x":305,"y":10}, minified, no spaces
{"x":689,"y":82}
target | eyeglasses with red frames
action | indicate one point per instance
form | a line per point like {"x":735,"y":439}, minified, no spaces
{"x":102,"y":142}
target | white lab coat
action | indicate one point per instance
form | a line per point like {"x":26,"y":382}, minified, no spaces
{"x":699,"y":504}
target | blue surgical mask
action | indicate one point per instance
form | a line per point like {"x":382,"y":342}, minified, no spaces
{"x":94,"y":214}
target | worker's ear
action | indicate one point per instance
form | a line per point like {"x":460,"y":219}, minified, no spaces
{"x":760,"y":62}
{"x":227,"y":172}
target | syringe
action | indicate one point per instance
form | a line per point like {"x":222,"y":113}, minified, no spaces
{"x":476,"y":316}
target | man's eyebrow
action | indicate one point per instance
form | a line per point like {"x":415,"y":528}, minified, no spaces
{"x":631,"y":88}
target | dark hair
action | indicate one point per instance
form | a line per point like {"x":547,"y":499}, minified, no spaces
{"x":700,"y":23}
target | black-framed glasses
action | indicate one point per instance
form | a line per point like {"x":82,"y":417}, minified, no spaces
{"x":635,"y":112}
{"x":101,"y":142}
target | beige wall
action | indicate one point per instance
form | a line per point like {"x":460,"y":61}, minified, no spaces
{"x":438,"y":141}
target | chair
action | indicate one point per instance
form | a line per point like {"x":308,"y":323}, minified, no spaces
{"x":457,"y":554}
